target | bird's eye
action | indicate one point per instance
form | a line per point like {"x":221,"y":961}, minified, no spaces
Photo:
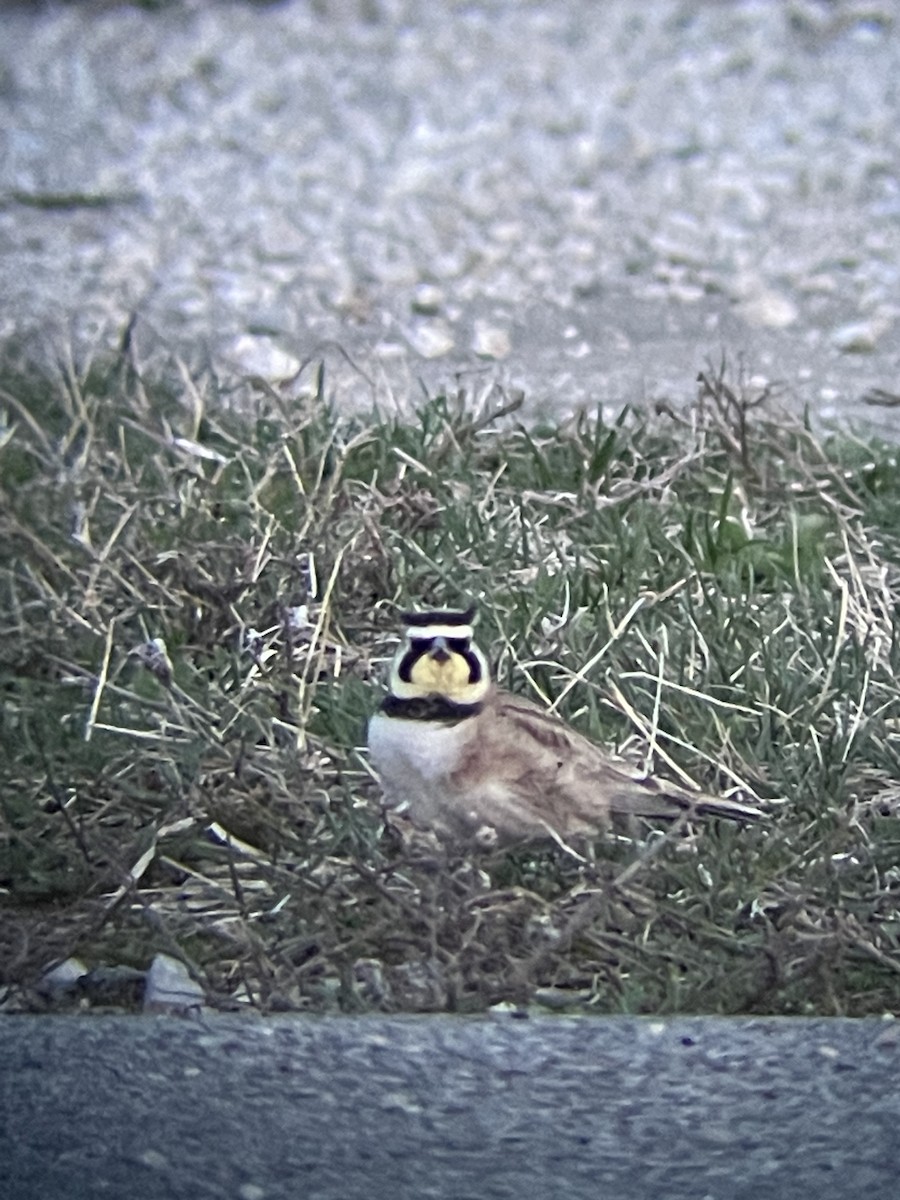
{"x":458,"y":645}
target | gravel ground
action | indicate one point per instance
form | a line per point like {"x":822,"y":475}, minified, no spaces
{"x":584,"y":200}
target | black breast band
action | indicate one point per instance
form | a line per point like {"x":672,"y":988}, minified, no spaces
{"x":428,"y":708}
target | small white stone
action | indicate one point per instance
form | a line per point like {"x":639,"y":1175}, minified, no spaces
{"x":63,"y":977}
{"x":428,"y":300}
{"x":262,"y":356}
{"x":388,"y":350}
{"x":686,"y":293}
{"x":769,"y":309}
{"x":490,"y":341}
{"x":169,"y":988}
{"x":431,"y":339}
{"x":154,"y":1160}
{"x":504,"y":1009}
{"x":859,"y":337}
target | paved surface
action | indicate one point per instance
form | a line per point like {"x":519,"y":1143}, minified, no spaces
{"x":159,"y":1109}
{"x":584,"y":200}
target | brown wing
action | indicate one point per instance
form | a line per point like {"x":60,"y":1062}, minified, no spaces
{"x":534,"y":775}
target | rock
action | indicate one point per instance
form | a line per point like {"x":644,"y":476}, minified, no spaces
{"x":859,"y":337}
{"x":428,"y":300}
{"x":62,"y":980}
{"x":169,"y":988}
{"x":489,"y":341}
{"x":262,"y":356}
{"x":769,"y":310}
{"x":557,"y":999}
{"x":431,"y":339}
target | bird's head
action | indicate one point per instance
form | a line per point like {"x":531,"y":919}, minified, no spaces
{"x":438,"y":657}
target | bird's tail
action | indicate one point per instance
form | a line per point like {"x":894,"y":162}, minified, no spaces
{"x":653,"y":798}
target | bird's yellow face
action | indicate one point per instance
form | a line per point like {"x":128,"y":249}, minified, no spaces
{"x":439,"y":658}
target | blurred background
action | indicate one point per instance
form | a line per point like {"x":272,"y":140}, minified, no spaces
{"x":587,"y":201}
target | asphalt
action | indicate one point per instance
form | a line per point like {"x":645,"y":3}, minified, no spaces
{"x":340,"y":1109}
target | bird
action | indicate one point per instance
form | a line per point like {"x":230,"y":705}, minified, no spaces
{"x":475,"y":764}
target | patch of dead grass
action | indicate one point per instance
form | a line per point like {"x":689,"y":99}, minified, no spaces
{"x":198,"y":594}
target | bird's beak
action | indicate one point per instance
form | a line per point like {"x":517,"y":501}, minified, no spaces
{"x":439,"y":652}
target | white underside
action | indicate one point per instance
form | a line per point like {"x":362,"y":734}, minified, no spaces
{"x":414,"y":760}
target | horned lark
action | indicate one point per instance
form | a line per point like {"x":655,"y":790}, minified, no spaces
{"x":474,"y":763}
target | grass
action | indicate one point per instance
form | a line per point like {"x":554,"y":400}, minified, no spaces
{"x":199,"y":591}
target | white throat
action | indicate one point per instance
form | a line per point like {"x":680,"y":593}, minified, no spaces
{"x":407,"y":753}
